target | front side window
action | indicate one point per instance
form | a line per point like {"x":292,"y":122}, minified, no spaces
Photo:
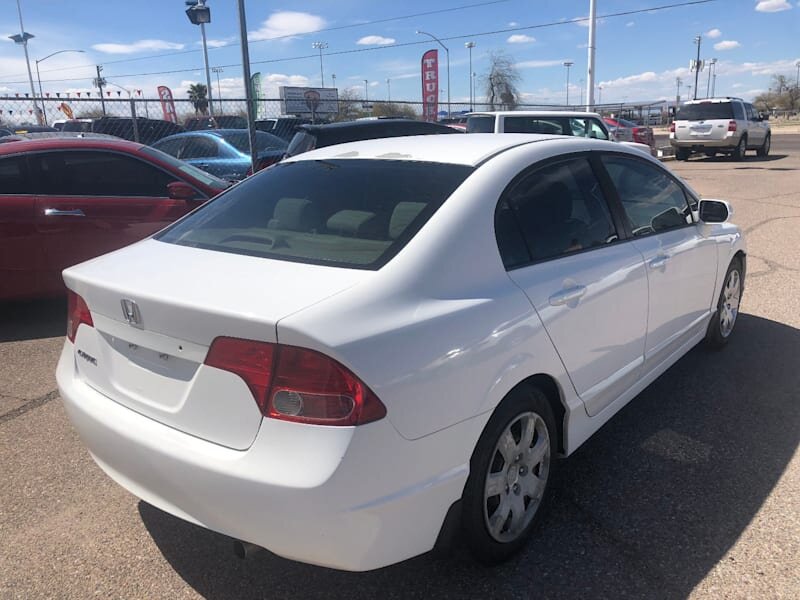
{"x":97,"y":173}
{"x":588,"y":127}
{"x":348,"y":213}
{"x":480,"y":124}
{"x":560,"y":209}
{"x":653,"y":202}
{"x":12,"y":176}
{"x":199,"y":147}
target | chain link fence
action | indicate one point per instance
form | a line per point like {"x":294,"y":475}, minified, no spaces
{"x":148,"y":120}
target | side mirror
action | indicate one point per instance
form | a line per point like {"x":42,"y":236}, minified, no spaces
{"x":763,"y":116}
{"x":715,"y":211}
{"x":180,"y":190}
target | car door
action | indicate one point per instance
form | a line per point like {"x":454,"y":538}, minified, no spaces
{"x":681,"y":261}
{"x":21,"y":255}
{"x":96,"y":201}
{"x":756,"y":130}
{"x":563,"y":247}
{"x":209,"y":154}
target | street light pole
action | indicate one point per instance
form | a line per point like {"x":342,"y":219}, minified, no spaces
{"x":470,"y":46}
{"x":711,"y":64}
{"x":697,"y":40}
{"x":218,"y":70}
{"x":447,"y":53}
{"x":200,"y":14}
{"x":568,"y":64}
{"x":100,"y":82}
{"x":248,"y":89}
{"x":320,"y":46}
{"x":599,"y":94}
{"x":22,"y":38}
{"x":39,"y":78}
{"x":389,"y":89}
{"x":590,"y":62}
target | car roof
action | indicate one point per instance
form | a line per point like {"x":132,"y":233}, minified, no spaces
{"x":469,"y":150}
{"x":52,"y":143}
{"x":711,"y":100}
{"x":366,"y":124}
{"x":534,"y":113}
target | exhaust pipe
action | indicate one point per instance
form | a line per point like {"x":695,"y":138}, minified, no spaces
{"x":245,"y":549}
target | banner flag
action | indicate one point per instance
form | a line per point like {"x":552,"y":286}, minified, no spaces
{"x":430,"y":85}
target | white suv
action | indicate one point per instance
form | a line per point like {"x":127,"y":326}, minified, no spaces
{"x":725,"y":125}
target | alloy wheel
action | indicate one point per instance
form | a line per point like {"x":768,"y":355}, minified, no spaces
{"x":731,"y":295}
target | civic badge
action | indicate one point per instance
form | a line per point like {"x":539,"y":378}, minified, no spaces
{"x":130,"y":310}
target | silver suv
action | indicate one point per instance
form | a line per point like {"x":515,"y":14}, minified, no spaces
{"x":725,"y":125}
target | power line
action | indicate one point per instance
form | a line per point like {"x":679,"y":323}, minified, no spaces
{"x":406,"y":44}
{"x":291,"y":35}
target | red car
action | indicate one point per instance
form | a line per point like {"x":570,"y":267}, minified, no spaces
{"x":64,"y":201}
{"x":628,"y":131}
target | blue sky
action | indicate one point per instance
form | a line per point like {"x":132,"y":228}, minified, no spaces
{"x":638,"y":55}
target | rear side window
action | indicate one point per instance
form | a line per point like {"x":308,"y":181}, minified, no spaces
{"x":706,"y":111}
{"x":12,"y":176}
{"x":653,"y":202}
{"x":347,"y":213}
{"x":301,"y":142}
{"x":199,"y":146}
{"x":480,"y":124}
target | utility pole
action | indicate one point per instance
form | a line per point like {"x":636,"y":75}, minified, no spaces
{"x":22,"y":38}
{"x":218,"y":70}
{"x":679,"y":83}
{"x":568,"y":64}
{"x":470,"y":46}
{"x":248,"y":89}
{"x":697,"y":40}
{"x":320,"y":46}
{"x":389,"y":89}
{"x":100,"y":82}
{"x":711,"y":64}
{"x":590,"y":62}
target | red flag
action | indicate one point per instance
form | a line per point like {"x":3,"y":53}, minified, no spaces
{"x":167,"y":104}
{"x":430,"y":85}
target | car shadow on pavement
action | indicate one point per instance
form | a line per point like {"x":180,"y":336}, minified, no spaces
{"x":748,"y":159}
{"x":646,"y":508}
{"x":33,"y":319}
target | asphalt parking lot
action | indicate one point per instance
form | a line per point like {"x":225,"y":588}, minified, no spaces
{"x":692,"y":490}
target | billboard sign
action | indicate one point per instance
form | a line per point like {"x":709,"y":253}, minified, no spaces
{"x":309,"y":102}
{"x":430,"y":85}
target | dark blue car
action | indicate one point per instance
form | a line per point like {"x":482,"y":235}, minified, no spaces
{"x":223,"y":152}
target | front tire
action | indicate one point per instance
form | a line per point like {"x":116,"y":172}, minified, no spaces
{"x":722,"y":323}
{"x":510,"y":472}
{"x":682,"y":153}
{"x":764,"y":150}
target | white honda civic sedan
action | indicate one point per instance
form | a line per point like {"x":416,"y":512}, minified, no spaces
{"x":354,"y":353}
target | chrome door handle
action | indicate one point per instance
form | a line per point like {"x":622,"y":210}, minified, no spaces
{"x":54,"y":212}
{"x":659,"y":262}
{"x":567,"y":296}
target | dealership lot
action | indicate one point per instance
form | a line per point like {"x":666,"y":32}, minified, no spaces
{"x":690,"y":490}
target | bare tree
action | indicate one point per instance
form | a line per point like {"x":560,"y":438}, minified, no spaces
{"x":350,"y":105}
{"x":501,"y":81}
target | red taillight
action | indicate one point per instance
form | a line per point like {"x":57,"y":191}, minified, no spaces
{"x":731,"y":125}
{"x":297,"y":384}
{"x":672,"y":127}
{"x":77,"y":313}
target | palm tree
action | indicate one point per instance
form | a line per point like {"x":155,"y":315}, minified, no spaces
{"x":198,"y":96}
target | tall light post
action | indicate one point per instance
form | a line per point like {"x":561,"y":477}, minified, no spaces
{"x":469,"y":46}
{"x":599,"y":94}
{"x":580,"y":86}
{"x":797,"y":79}
{"x":217,"y":71}
{"x":39,"y":79}
{"x":568,"y":64}
{"x":590,"y":61}
{"x":366,"y":91}
{"x":22,"y":38}
{"x":320,"y":46}
{"x":697,"y":40}
{"x":248,"y":89}
{"x":447,"y":53}
{"x":200,"y":14}
{"x":389,"y":89}
{"x":678,"y":83}
{"x":334,"y":79}
{"x":711,"y":64}
{"x":689,"y":95}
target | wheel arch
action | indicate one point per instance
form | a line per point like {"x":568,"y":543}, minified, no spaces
{"x":548,"y":385}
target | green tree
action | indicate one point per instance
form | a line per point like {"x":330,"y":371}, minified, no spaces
{"x":501,"y":81}
{"x":198,"y":96}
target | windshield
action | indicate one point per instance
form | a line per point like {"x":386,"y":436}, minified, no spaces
{"x":346,"y":213}
{"x":183,"y":167}
{"x":480,"y":124}
{"x":264,"y":142}
{"x":705,"y":111}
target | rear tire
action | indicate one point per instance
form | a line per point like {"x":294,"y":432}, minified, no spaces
{"x":711,"y":153}
{"x":764,"y":150}
{"x":682,"y":153}
{"x":740,"y":150}
{"x":511,"y":468}
{"x":722,"y":323}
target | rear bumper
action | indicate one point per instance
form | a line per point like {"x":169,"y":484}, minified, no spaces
{"x":726,"y":145}
{"x":347,"y":498}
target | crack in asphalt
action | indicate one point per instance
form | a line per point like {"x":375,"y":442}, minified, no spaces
{"x":28,"y":406}
{"x":752,"y":228}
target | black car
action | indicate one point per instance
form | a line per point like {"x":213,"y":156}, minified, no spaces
{"x":309,"y":137}
{"x":283,"y":127}
{"x":215,"y":122}
{"x":149,"y":130}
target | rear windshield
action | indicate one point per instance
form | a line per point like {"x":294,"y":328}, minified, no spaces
{"x":264,"y":142}
{"x":574,"y":126}
{"x":480,"y":124}
{"x":705,"y":111}
{"x":345,"y":213}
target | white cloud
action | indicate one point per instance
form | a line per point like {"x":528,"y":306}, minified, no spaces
{"x":630,"y":24}
{"x":773,"y":6}
{"x":727,"y":45}
{"x":713,"y":33}
{"x":518,"y":38}
{"x":287,"y":24}
{"x":737,"y":86}
{"x":586,"y":21}
{"x":375,"y":40}
{"x":513,"y":24}
{"x":538,"y":64}
{"x":139,"y":46}
{"x":216,"y":43}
